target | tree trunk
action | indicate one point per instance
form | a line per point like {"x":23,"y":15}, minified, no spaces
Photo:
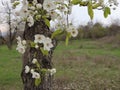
{"x":44,"y":61}
{"x":39,"y":27}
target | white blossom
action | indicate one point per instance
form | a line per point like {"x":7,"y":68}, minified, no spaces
{"x":32,"y":70}
{"x":30,"y":24}
{"x":32,"y":8}
{"x":18,"y":39}
{"x":46,"y":41}
{"x":72,"y":31}
{"x":52,"y":71}
{"x":62,"y":8}
{"x":47,"y":44}
{"x":48,"y":5}
{"x":34,"y":61}
{"x":36,"y":12}
{"x":36,"y":46}
{"x":61,"y":1}
{"x":39,"y":38}
{"x":60,"y":23}
{"x":27,"y":69}
{"x":30,"y":21}
{"x":21,"y":45}
{"x":53,"y":14}
{"x":21,"y":48}
{"x":38,"y":6}
{"x":35,"y":75}
{"x":30,"y":13}
{"x":24,"y":42}
{"x":34,"y":2}
{"x":24,"y":10}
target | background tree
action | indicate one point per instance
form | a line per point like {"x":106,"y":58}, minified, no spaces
{"x":10,"y":19}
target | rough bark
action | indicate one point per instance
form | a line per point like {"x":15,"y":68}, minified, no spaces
{"x":39,"y":27}
{"x":44,"y":61}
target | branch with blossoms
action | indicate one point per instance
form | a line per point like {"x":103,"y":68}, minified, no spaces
{"x":41,"y":43}
{"x":55,"y":10}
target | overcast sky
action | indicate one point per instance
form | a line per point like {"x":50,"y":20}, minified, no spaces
{"x":80,"y":16}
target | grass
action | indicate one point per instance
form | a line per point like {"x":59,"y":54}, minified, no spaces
{"x":10,"y":67}
{"x":82,"y":65}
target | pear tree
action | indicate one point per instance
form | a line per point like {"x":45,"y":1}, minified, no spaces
{"x":38,"y":41}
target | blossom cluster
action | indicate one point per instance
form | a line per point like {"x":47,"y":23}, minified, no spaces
{"x":52,"y":71}
{"x":39,"y":39}
{"x":63,"y":9}
{"x":33,"y":12}
{"x":46,"y":41}
{"x":73,"y":32}
{"x":36,"y":71}
{"x":55,"y":9}
{"x":21,"y":45}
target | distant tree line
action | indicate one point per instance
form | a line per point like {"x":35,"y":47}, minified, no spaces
{"x":95,"y":31}
{"x":88,"y":31}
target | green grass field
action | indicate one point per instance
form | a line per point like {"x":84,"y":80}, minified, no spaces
{"x":82,"y":65}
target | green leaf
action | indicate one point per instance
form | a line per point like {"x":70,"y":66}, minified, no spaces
{"x":15,"y":4}
{"x":29,"y":5}
{"x":45,"y":52}
{"x":47,"y":22}
{"x":67,"y":38}
{"x":96,"y":5}
{"x":43,"y":71}
{"x":32,"y":44}
{"x":83,"y":3}
{"x":37,"y":82}
{"x":38,"y":65}
{"x":75,"y":2}
{"x":37,"y":17}
{"x":55,"y":33}
{"x":90,"y":10}
{"x":107,"y":12}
